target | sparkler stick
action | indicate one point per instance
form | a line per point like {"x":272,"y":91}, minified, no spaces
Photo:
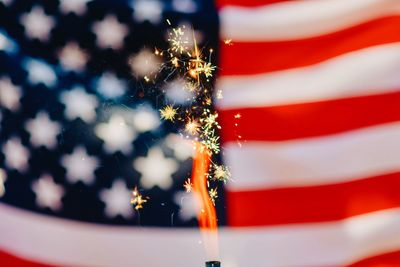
{"x":213,"y":264}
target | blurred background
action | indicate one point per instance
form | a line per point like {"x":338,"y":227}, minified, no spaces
{"x":307,"y":93}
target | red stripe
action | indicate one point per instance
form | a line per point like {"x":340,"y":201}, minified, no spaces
{"x":311,"y":119}
{"x":313,"y":204}
{"x":247,"y":3}
{"x":14,"y":261}
{"x":391,"y":259}
{"x":243,"y":58}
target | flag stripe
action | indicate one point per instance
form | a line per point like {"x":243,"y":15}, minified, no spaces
{"x":300,"y":19}
{"x":58,"y":242}
{"x":316,"y":161}
{"x":384,"y":260}
{"x":248,"y":3}
{"x":90,"y":245}
{"x":314,"y":203}
{"x":349,"y":75}
{"x":260,"y":57}
{"x":7,"y":259}
{"x":288,"y":122}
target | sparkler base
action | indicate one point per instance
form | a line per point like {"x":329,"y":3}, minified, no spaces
{"x":213,"y":264}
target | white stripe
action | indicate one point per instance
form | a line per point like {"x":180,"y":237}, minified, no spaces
{"x":66,"y":243}
{"x":368,"y":71}
{"x":315,"y":161}
{"x":300,"y":19}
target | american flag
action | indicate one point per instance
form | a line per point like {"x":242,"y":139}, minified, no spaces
{"x":309,"y":112}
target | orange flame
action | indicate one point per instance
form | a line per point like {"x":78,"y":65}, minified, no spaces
{"x":207,"y":216}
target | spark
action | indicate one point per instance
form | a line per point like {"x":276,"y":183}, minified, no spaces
{"x":208,"y":69}
{"x":178,"y":41}
{"x":208,"y":101}
{"x":210,"y":121}
{"x":168,"y":113}
{"x":147,"y":79}
{"x":192,"y":127}
{"x":188,"y":186}
{"x":175,"y":62}
{"x":212,"y":143}
{"x":213,"y":194}
{"x":237,"y":116}
{"x":221,"y":173}
{"x":137,"y":199}
{"x":191,"y":87}
{"x":228,"y":42}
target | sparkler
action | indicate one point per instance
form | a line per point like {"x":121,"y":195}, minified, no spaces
{"x":200,"y":121}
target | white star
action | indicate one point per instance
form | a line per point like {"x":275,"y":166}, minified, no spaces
{"x":79,"y":104}
{"x":10,"y":94}
{"x":37,"y":24}
{"x":74,"y":6}
{"x":110,"y":33}
{"x":184,"y":6}
{"x":183,"y":149}
{"x":80,"y":166}
{"x":117,"y":200}
{"x":147,"y":10}
{"x":43,"y":131}
{"x":40,"y":72}
{"x":177,"y":93}
{"x":16,"y":155}
{"x":110,"y":86}
{"x":156,"y":170}
{"x":48,"y":193}
{"x":116,"y":134}
{"x":3,"y":178}
{"x":7,"y":44}
{"x":189,"y":203}
{"x":145,"y":119}
{"x":72,"y":57}
{"x":144,"y":63}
